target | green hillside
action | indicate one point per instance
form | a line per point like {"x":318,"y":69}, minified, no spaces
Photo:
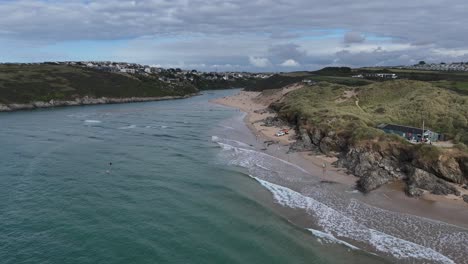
{"x":23,"y":83}
{"x":356,"y":111}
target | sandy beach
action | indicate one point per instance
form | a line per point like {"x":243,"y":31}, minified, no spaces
{"x":449,"y":209}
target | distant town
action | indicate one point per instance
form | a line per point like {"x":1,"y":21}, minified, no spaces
{"x":454,"y":66}
{"x":170,"y":75}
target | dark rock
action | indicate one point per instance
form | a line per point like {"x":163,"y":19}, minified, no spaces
{"x":465,"y":198}
{"x":448,"y":169}
{"x":326,"y":145}
{"x":316,"y":136}
{"x":273,"y":122}
{"x":270,"y":142}
{"x":427,"y":181}
{"x":303,"y":143}
{"x":463,"y":162}
{"x":413,"y":191}
{"x":373,"y":169}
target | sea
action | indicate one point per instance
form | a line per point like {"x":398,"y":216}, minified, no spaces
{"x":185,"y":181}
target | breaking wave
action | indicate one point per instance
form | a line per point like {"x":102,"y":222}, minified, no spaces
{"x":89,"y":121}
{"x":128,"y":127}
{"x":340,"y":215}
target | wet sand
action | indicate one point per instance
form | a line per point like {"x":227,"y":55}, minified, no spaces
{"x":448,"y":209}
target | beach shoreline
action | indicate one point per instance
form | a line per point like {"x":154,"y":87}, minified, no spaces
{"x":447,"y":209}
{"x":86,"y":101}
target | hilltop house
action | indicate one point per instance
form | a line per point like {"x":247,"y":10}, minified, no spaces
{"x":411,"y":133}
{"x":382,"y":75}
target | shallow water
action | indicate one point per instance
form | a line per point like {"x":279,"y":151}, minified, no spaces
{"x":337,"y":210}
{"x":170,"y":195}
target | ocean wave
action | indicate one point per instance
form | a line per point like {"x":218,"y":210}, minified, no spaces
{"x":330,"y":238}
{"x":333,"y":221}
{"x":128,"y":127}
{"x":90,"y":121}
{"x":249,"y":157}
{"x":338,"y":213}
{"x":232,"y":141}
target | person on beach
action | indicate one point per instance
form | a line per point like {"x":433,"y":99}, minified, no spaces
{"x":324,"y":169}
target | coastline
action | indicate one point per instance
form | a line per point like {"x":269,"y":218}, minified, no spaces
{"x":447,"y":209}
{"x":86,"y":101}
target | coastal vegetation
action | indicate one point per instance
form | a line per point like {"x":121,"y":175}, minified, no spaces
{"x":343,"y":120}
{"x":24,"y":83}
{"x":43,"y":82}
{"x":404,"y":102}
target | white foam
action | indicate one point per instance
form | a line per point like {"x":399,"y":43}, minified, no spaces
{"x":128,"y":127}
{"x":164,"y":127}
{"x":331,"y":238}
{"x":254,"y":157}
{"x":335,"y":222}
{"x":235,"y":143}
{"x":227,"y":127}
{"x":92,"y":121}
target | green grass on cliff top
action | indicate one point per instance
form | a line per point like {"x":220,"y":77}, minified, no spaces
{"x":24,"y":83}
{"x":343,"y":108}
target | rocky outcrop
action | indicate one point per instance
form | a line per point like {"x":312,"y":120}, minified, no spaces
{"x":304,"y":143}
{"x":376,"y":167}
{"x":419,"y":180}
{"x":273,"y":122}
{"x":447,"y":168}
{"x":373,"y":168}
{"x":84,"y":101}
{"x":465,"y":198}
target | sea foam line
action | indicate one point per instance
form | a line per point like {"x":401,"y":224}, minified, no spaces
{"x":333,"y":221}
{"x":92,"y":121}
{"x":226,"y":146}
{"x":331,"y":238}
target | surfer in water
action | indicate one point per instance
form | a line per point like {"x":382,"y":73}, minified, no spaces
{"x":110,"y":165}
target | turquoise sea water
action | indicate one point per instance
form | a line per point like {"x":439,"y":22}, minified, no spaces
{"x":168,"y":196}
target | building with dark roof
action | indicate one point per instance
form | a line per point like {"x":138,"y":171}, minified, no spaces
{"x":411,"y":133}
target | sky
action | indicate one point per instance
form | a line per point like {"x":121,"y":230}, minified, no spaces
{"x":236,"y":35}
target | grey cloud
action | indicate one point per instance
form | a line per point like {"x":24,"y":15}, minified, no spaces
{"x":220,"y":32}
{"x":354,"y":37}
{"x":287,"y":51}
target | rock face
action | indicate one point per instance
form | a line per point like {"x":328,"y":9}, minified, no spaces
{"x":376,"y":167}
{"x":465,"y":198}
{"x":372,"y":168}
{"x":304,"y":143}
{"x":449,"y":169}
{"x":273,"y":122}
{"x":420,"y":179}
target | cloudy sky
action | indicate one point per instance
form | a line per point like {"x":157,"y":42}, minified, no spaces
{"x":252,"y":35}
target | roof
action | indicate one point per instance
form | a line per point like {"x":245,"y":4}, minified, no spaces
{"x":405,"y":129}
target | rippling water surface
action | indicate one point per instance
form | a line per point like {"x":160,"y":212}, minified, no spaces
{"x":168,"y":196}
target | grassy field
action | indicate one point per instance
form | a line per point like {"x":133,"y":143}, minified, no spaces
{"x":357,"y":110}
{"x":21,"y":83}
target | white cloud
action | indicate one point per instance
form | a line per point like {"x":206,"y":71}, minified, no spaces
{"x":206,"y":33}
{"x":259,"y":62}
{"x":290,"y":63}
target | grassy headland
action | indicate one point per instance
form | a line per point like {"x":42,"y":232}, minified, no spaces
{"x":24,"y":83}
{"x":358,"y":110}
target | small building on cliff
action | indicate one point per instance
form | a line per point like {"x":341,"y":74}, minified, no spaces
{"x":411,"y":133}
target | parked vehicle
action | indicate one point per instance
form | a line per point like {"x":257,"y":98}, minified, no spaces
{"x":280,"y":133}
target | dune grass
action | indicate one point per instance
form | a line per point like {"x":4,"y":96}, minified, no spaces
{"x":358,"y":110}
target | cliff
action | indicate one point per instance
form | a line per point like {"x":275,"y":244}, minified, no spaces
{"x":340,"y":121}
